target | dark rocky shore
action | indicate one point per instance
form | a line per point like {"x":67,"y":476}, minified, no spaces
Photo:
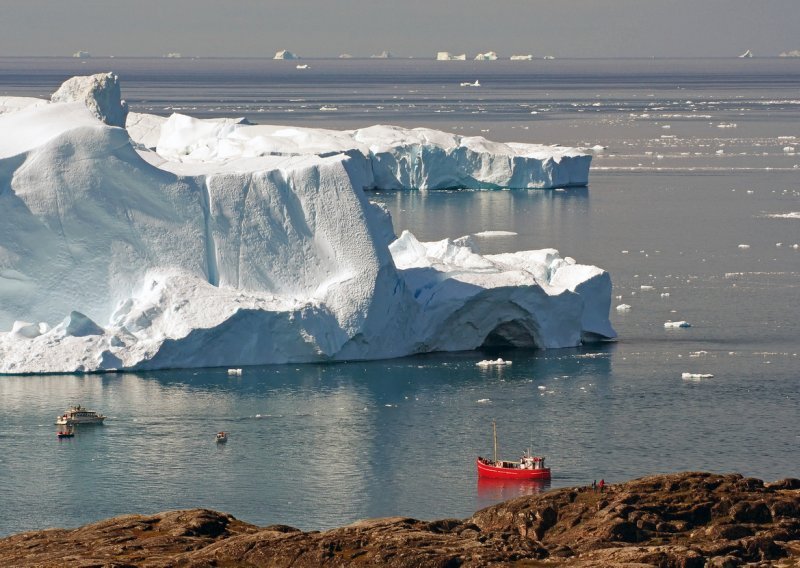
{"x":678,"y":520}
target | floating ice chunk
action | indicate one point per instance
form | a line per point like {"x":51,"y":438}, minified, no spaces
{"x":488,"y":234}
{"x":676,"y":324}
{"x":746,"y":55}
{"x":700,"y":353}
{"x":623,"y":308}
{"x":744,"y":246}
{"x":483,"y":400}
{"x":234,"y":372}
{"x":790,"y":215}
{"x":665,"y":294}
{"x":541,"y":387}
{"x":646,"y":287}
{"x":528,"y":57}
{"x":301,"y":66}
{"x":696,"y":376}
{"x":499,"y":362}
{"x":488,"y":56}
{"x":468,"y":84}
{"x":789,"y":149}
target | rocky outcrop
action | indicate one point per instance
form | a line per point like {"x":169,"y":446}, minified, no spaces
{"x":680,"y":520}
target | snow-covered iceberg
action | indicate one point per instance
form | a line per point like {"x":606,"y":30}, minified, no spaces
{"x":388,"y":157}
{"x":219,"y":253}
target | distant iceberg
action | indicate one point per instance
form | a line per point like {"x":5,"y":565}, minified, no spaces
{"x":746,"y":55}
{"x":285,"y":54}
{"x":236,"y":245}
{"x":447,"y":56}
{"x":382,"y":55}
{"x":528,"y":57}
{"x":792,"y":53}
{"x":488,"y":56}
{"x":82,"y":55}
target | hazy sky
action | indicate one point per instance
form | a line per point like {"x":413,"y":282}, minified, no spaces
{"x":315,"y":28}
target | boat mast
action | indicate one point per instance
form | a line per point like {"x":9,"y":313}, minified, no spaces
{"x":494,"y":431}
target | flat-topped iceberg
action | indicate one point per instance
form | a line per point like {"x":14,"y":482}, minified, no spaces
{"x":213,"y":252}
{"x":386,"y":157}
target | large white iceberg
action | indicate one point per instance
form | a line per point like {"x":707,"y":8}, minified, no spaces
{"x":218,"y":252}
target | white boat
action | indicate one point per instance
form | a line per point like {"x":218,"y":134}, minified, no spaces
{"x":222,"y":437}
{"x":79,"y":415}
{"x":477,"y":83}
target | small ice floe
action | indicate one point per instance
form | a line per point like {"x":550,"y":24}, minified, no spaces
{"x":597,"y":148}
{"x":499,"y":362}
{"x":698,"y":353}
{"x":696,"y":376}
{"x":789,"y":149}
{"x":790,"y":215}
{"x":475,"y":84}
{"x":676,"y":324}
{"x":488,"y":234}
{"x":744,"y":246}
{"x":326,"y":108}
{"x":483,"y":400}
{"x":665,"y":294}
{"x":623,"y":308}
{"x":235,"y":372}
{"x":302,"y":66}
{"x":727,"y":125}
{"x":541,"y":387}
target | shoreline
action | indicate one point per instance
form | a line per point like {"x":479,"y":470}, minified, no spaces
{"x":686,"y":519}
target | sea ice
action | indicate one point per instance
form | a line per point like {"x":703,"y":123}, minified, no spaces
{"x":696,"y":376}
{"x":499,"y":362}
{"x":488,"y":56}
{"x":241,"y":245}
{"x":676,"y":324}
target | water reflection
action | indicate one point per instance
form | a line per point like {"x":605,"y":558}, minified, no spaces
{"x":491,"y":491}
{"x":535,"y":215}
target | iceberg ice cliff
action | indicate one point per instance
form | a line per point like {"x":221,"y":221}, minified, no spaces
{"x":233,"y":244}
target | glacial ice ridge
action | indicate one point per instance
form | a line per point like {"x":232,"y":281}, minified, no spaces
{"x":212,"y":251}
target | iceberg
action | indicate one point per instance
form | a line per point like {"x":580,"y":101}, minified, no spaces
{"x":447,"y":56}
{"x":232,"y":245}
{"x":488,"y":56}
{"x":285,"y":54}
{"x":528,"y":57}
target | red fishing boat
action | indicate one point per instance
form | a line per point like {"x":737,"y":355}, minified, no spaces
{"x":528,"y":466}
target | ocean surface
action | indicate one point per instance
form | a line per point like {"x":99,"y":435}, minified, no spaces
{"x":693,"y":207}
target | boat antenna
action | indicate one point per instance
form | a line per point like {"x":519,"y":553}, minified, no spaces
{"x":494,"y":431}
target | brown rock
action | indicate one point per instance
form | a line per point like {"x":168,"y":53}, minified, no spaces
{"x":676,"y":521}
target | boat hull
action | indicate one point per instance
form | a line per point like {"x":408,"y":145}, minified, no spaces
{"x":494,"y":472}
{"x":68,"y":421}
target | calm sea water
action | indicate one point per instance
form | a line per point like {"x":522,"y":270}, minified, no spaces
{"x":695,"y":164}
